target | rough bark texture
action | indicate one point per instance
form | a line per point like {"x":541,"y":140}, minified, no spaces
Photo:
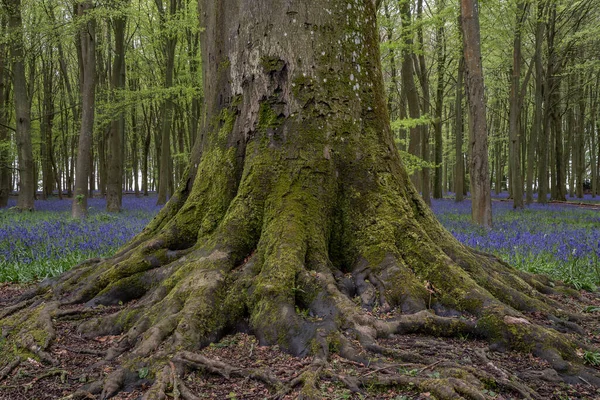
{"x":170,"y":41}
{"x":409,"y":88}
{"x":5,"y":159}
{"x":296,"y":221}
{"x":536,"y":128}
{"x":440,"y":43}
{"x":46,"y":146}
{"x":114,"y":159}
{"x":516,"y":183}
{"x":459,"y":168}
{"x":88,"y":89}
{"x":478,"y":136}
{"x":27,"y":184}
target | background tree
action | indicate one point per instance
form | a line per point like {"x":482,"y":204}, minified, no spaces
{"x":87,"y":36}
{"x":478,"y":142}
{"x":22,"y":107}
{"x":5,"y":156}
{"x":116,"y":136}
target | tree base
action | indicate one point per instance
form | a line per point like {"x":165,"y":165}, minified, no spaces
{"x":239,"y":367}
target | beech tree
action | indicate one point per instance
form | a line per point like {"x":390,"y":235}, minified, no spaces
{"x":295,"y":203}
{"x":87,"y":36}
{"x":22,"y":106}
{"x":481,"y":197}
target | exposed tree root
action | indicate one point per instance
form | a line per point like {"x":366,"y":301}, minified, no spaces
{"x":9,"y":368}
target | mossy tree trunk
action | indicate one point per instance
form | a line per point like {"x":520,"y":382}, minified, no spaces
{"x":297,"y":222}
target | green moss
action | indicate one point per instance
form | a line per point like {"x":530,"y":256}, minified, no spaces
{"x":514,"y":336}
{"x":271,"y":64}
{"x":224,"y":65}
{"x":334,"y":342}
{"x":267,"y":118}
{"x":309,"y":390}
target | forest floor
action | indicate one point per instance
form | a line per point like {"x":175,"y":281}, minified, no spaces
{"x":81,"y":361}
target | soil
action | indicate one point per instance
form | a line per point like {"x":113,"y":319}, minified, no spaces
{"x":81,"y":361}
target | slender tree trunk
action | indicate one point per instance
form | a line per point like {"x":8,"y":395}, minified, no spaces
{"x":440,"y":44}
{"x":146,"y":151}
{"x":170,"y":43}
{"x":570,"y":157}
{"x":5,"y":158}
{"x":114,"y":160}
{"x":88,"y":89}
{"x":46,"y":143}
{"x":27,"y":184}
{"x":425,"y":107}
{"x":516,"y":182}
{"x":478,"y":136}
{"x":538,"y":112}
{"x":579,"y":147}
{"x":135,"y":137}
{"x":459,"y":170}
{"x":553,"y":87}
{"x":592,"y":136}
{"x":409,"y":87}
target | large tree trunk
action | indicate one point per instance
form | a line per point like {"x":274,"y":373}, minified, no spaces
{"x":27,"y":183}
{"x":88,"y":89}
{"x":297,"y":222}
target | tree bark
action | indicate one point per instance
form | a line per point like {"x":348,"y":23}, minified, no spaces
{"x":536,"y":128}
{"x":295,"y":204}
{"x":114,"y":160}
{"x":27,"y":184}
{"x":579,"y":143}
{"x":410,"y":89}
{"x":46,"y":143}
{"x":5,"y":158}
{"x":558,"y":189}
{"x":459,"y":170}
{"x":440,"y":43}
{"x":88,"y":89}
{"x":169,"y":44}
{"x":425,"y":107}
{"x":516,"y":182}
{"x":478,"y":140}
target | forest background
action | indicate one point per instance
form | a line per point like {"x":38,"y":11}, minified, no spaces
{"x":141,"y":105}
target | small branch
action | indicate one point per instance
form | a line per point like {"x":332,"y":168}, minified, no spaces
{"x":429,"y":366}
{"x":383,"y":369}
{"x":8,"y":369}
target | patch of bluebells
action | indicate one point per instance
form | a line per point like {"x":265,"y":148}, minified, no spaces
{"x":560,"y":240}
{"x":47,"y":242}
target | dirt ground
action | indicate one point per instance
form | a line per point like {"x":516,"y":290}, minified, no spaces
{"x":81,"y":362}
